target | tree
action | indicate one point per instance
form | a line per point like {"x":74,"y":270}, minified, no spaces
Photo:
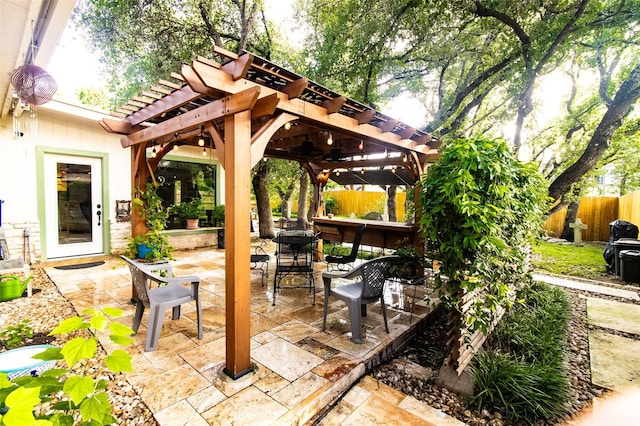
{"x":617,"y":110}
{"x":144,"y":41}
{"x":475,"y":64}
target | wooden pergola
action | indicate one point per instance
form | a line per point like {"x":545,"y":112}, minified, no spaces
{"x":251,"y":108}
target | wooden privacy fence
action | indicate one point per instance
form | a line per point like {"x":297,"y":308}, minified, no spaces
{"x":362,"y":202}
{"x":598,"y":213}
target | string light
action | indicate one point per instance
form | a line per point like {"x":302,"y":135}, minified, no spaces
{"x":338,"y":173}
{"x":204,"y":152}
{"x":175,"y":144}
{"x":287,"y":126}
{"x":201,"y":139}
{"x":405,"y":158}
{"x":330,"y":139}
{"x":393,"y":170}
{"x":361,"y":146}
{"x":153,"y":151}
{"x":362,"y":171}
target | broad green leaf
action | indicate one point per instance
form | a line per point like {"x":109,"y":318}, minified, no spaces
{"x":78,"y":348}
{"x":78,"y":388}
{"x":4,"y":381}
{"x":113,"y":312}
{"x":21,"y":402}
{"x":95,"y":407}
{"x":64,"y":405}
{"x":121,"y":340}
{"x":49,"y":354}
{"x":99,"y":321}
{"x":120,"y":329}
{"x":68,"y":325}
{"x":54,"y":372}
{"x":119,"y":361}
{"x":61,"y":419}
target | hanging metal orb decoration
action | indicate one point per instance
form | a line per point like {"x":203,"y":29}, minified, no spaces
{"x":33,"y":84}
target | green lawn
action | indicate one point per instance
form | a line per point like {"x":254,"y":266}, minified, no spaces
{"x":567,"y":259}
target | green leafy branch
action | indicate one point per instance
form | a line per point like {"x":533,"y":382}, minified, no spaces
{"x":62,"y":396}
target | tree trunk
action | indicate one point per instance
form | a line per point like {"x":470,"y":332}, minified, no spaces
{"x":391,"y":203}
{"x":285,"y":199}
{"x":572,"y":213}
{"x":303,"y":223}
{"x":259,"y":183}
{"x":618,"y":110}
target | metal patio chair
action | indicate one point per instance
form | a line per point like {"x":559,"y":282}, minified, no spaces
{"x":342,"y":262}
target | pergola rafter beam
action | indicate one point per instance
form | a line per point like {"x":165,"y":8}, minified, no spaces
{"x":241,"y":101}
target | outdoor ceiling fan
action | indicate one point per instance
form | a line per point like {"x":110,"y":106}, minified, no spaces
{"x":307,"y":149}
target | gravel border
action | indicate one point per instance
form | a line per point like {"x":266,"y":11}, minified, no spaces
{"x":127,"y":405}
{"x":422,"y":387}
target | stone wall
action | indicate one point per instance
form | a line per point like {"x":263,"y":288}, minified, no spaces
{"x":120,"y":232}
{"x":17,"y":241}
{"x":186,"y":240}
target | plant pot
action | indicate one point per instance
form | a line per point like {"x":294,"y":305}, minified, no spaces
{"x":143,"y":249}
{"x":192,"y":223}
{"x":11,"y":287}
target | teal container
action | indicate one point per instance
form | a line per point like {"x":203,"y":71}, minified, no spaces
{"x":143,"y":249}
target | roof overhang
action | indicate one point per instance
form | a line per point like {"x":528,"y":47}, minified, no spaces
{"x":40,"y":21}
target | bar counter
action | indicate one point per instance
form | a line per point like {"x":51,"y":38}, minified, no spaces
{"x":377,"y":233}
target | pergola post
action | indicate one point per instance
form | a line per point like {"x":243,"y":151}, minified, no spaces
{"x":237,"y":135}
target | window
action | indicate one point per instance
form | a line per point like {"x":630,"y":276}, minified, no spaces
{"x":182,"y":181}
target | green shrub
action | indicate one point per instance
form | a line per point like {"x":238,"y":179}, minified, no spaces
{"x":522,"y":371}
{"x":526,"y":392}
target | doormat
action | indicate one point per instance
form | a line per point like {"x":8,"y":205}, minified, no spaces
{"x":81,"y":265}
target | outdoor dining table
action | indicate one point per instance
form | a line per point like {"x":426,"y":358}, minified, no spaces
{"x":295,"y":255}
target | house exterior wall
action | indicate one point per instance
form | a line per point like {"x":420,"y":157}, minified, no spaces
{"x":64,"y":129}
{"x":70,"y":130}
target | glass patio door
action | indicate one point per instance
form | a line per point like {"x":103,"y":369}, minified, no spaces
{"x":73,"y":202}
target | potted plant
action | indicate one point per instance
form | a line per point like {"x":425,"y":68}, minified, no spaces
{"x":189,"y":211}
{"x":154,"y":245}
{"x":217,"y":217}
{"x":409,"y":263}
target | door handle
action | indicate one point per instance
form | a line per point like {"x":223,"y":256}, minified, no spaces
{"x":99,"y":213}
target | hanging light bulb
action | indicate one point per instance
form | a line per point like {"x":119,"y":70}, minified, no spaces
{"x":338,"y":173}
{"x":201,"y":139}
{"x":361,"y":146}
{"x":204,"y":151}
{"x":287,"y":126}
{"x":153,"y":151}
{"x":362,"y":171}
{"x":405,"y":158}
{"x":330,"y":139}
{"x":393,"y":170}
{"x":176,"y":147}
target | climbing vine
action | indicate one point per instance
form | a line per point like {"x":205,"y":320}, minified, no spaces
{"x":481,"y":207}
